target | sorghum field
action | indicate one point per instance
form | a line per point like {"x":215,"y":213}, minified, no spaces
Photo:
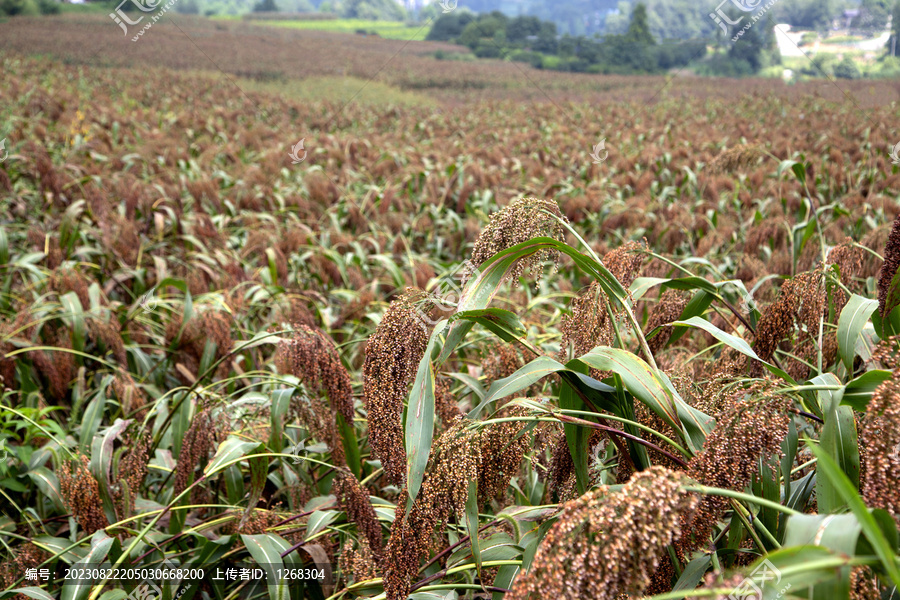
{"x":451,"y":345}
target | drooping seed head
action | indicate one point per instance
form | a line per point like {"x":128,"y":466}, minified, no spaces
{"x":520,"y":221}
{"x":607,"y":544}
{"x":888,"y":292}
{"x":392,"y":359}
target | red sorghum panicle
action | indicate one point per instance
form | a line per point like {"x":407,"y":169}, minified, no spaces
{"x":736,"y":159}
{"x":444,"y":402}
{"x":589,"y":324}
{"x":752,"y":427}
{"x":132,"y":470}
{"x":355,"y":501}
{"x":888,"y":299}
{"x":311,"y":356}
{"x":518,"y":222}
{"x":886,"y":354}
{"x":359,"y":561}
{"x":209,"y":326}
{"x":199,"y":440}
{"x":625,"y":262}
{"x":880,"y":434}
{"x":82,"y":494}
{"x":491,"y":455}
{"x":392,"y":358}
{"x":607,"y":544}
{"x":669,"y":308}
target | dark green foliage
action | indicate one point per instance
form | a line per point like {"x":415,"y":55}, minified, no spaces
{"x":449,"y":26}
{"x":527,"y":39}
{"x":812,"y":14}
{"x":188,"y":7}
{"x":48,"y":7}
{"x":18,"y":7}
{"x":265,"y":6}
{"x":638,"y":30}
{"x":486,"y":28}
{"x":519,"y":29}
{"x":846,"y":69}
{"x":755,"y":47}
{"x":381,"y":10}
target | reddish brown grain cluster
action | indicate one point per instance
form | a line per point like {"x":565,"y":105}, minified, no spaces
{"x":880,"y":433}
{"x":669,"y":308}
{"x":607,"y":544}
{"x":752,"y":427}
{"x":888,"y":293}
{"x":132,"y":471}
{"x":355,"y":501}
{"x":311,"y":356}
{"x":518,"y":222}
{"x":190,"y":340}
{"x":490,"y":455}
{"x":392,"y":358}
{"x":82,"y":494}
{"x":199,"y":440}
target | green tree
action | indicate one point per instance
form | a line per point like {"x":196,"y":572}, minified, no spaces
{"x":638,"y":29}
{"x":808,"y":14}
{"x":375,"y":10}
{"x":546,"y":39}
{"x":518,"y":29}
{"x":265,"y":6}
{"x":873,"y":14}
{"x":449,"y":26}
{"x":483,"y":30}
{"x":893,"y":45}
{"x":847,"y":69}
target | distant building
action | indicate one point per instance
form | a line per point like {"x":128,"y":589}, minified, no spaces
{"x":847,"y":18}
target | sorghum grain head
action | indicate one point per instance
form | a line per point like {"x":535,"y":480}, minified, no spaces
{"x":311,"y":356}
{"x":753,"y":427}
{"x":669,"y":308}
{"x":132,"y":470}
{"x":736,"y":159}
{"x":625,"y":262}
{"x":355,"y":501}
{"x":518,"y":222}
{"x":392,"y":358}
{"x":880,"y":433}
{"x":606,"y":544}
{"x":82,"y":494}
{"x":589,"y":325}
{"x":199,"y":440}
{"x":490,"y":455}
{"x":888,"y":295}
